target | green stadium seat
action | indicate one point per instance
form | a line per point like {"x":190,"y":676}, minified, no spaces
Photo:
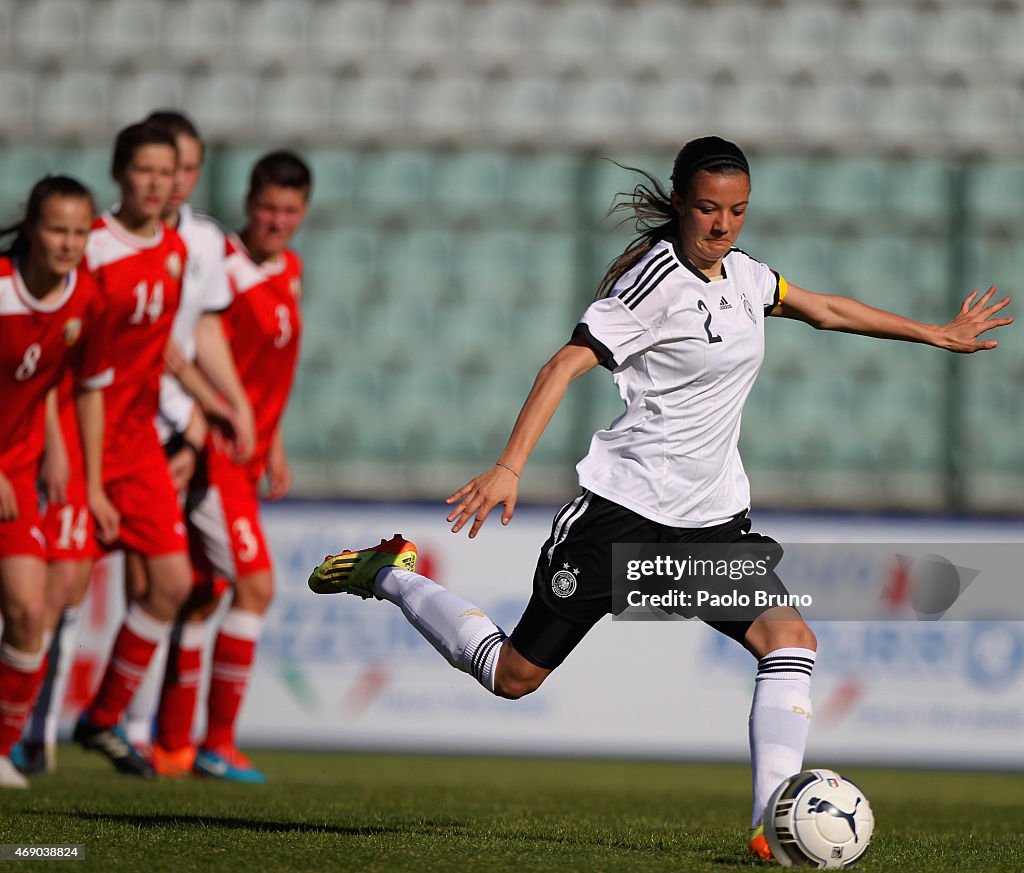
{"x":393,"y":182}
{"x":470,"y":186}
{"x":20,"y":168}
{"x":543,"y":190}
{"x":125,"y":32}
{"x":347,"y":35}
{"x":997,"y":192}
{"x":74,"y":102}
{"x":199,"y":31}
{"x":272,"y":33}
{"x":138,"y":93}
{"x":849,"y":189}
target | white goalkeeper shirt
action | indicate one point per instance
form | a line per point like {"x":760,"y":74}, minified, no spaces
{"x":204,"y":289}
{"x":684,"y":352}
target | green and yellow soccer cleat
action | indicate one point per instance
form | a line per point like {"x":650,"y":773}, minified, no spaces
{"x":356,"y":572}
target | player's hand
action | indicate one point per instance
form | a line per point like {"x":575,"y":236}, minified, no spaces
{"x":974,"y":318}
{"x":174,"y":359}
{"x":55,"y":474}
{"x":217,"y":409}
{"x":243,"y":426}
{"x":279,"y":476}
{"x":480,"y":495}
{"x":182,"y":465}
{"x":8,"y":500}
{"x":108,"y":519}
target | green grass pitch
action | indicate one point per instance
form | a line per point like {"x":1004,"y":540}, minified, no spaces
{"x":338,"y":812}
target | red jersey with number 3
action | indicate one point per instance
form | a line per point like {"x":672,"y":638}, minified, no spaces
{"x":263,"y":325}
{"x":39,"y":344}
{"x":140,"y":285}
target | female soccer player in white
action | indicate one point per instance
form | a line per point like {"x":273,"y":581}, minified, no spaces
{"x":679,"y":321}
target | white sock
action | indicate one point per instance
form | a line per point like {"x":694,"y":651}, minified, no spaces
{"x":780,"y":717}
{"x":141,"y":711}
{"x":461,"y":632}
{"x":44,"y":721}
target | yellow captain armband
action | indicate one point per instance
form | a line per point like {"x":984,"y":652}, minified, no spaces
{"x":781,"y":287}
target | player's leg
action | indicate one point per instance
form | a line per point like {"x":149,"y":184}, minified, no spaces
{"x":459,"y":630}
{"x":227,"y":542}
{"x":151,"y":524}
{"x":174,"y":751}
{"x":22,"y":605}
{"x":553,"y":623}
{"x":67,"y":582}
{"x":138,"y":720}
{"x":234,"y":652}
{"x":780,"y":714}
{"x":71,"y":551}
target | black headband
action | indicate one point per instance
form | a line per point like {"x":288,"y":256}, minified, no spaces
{"x":708,"y":151}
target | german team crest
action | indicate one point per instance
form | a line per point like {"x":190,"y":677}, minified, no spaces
{"x":563,"y":583}
{"x":173,"y":265}
{"x":749,"y":309}
{"x":72,"y":331}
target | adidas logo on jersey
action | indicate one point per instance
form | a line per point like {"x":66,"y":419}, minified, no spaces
{"x":724,"y":304}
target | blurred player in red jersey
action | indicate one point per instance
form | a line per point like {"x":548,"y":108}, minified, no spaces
{"x":202,"y":352}
{"x":138,"y":262}
{"x":263,"y":326}
{"x":49,"y":325}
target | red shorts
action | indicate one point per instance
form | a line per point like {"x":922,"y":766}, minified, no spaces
{"x":24,"y":535}
{"x":151,"y":519}
{"x":70,"y":528}
{"x":225,"y":534}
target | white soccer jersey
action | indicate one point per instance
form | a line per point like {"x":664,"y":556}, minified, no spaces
{"x":205,"y":289}
{"x":684,"y":351}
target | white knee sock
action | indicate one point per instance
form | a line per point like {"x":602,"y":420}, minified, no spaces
{"x":780,"y":717}
{"x":44,"y":722}
{"x":138,"y":717}
{"x":466,"y":637}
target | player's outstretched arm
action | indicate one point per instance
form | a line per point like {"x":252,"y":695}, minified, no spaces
{"x":500,"y":484}
{"x":832,"y":312}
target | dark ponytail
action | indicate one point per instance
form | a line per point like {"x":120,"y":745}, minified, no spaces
{"x":43,"y":190}
{"x":651,"y":205}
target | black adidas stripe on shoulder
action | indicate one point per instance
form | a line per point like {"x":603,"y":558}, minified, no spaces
{"x":650,"y":277}
{"x":654,"y":265}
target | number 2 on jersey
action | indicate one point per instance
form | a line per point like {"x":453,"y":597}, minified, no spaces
{"x":712,"y":337}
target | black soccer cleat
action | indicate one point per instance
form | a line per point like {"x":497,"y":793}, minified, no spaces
{"x":114,"y":745}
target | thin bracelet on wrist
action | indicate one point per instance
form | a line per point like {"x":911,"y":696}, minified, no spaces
{"x":507,"y":467}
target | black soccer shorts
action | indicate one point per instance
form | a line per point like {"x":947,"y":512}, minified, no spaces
{"x":572,"y":585}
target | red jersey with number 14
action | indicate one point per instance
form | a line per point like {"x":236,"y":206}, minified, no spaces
{"x":140,"y":285}
{"x":39,"y":343}
{"x":263,"y":326}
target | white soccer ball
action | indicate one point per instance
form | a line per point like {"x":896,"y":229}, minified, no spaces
{"x":818,"y":818}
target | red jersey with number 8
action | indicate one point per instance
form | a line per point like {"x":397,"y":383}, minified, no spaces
{"x":263,"y":327}
{"x":39,"y":342}
{"x":140,"y":284}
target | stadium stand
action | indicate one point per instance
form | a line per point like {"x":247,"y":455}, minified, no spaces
{"x":456,"y":223}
